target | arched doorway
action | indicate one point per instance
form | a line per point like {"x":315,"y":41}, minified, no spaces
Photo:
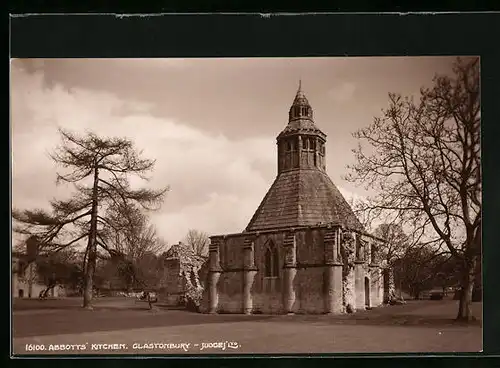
{"x":367,"y":293}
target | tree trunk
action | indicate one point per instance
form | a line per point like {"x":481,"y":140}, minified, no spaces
{"x":92,"y":247}
{"x":467,"y":285}
{"x":46,"y":291}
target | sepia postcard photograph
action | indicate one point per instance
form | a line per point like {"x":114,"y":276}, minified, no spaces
{"x":193,"y":206}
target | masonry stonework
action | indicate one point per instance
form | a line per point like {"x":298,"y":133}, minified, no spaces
{"x":304,"y":250}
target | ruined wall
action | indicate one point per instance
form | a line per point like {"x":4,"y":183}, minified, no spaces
{"x":203,"y":274}
{"x":205,"y":299}
{"x":389,"y":287}
{"x":171,"y":289}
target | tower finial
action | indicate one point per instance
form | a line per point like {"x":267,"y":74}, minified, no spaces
{"x":300,"y":84}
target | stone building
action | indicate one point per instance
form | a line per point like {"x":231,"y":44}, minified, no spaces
{"x":25,"y":279}
{"x":25,"y":283}
{"x":304,"y":250}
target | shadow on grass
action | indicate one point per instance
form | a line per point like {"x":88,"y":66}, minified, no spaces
{"x":51,"y":304}
{"x":382,"y":316}
{"x":422,"y":321}
{"x":68,"y":304}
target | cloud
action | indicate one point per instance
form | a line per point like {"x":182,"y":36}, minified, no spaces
{"x":343,"y":92}
{"x":216,"y":183}
{"x":350,"y":196}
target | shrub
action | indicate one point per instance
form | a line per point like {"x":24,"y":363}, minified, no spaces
{"x":193,"y":298}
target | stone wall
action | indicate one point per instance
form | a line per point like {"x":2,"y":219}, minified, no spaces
{"x":267,"y":303}
{"x":377,"y":286}
{"x":231,"y":292}
{"x":359,"y":286}
{"x":231,"y":251}
{"x":309,"y":276}
{"x":310,"y":247}
{"x":310,"y":290}
{"x":368,"y":286}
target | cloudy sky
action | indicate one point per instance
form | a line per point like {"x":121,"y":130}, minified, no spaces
{"x":211,"y":124}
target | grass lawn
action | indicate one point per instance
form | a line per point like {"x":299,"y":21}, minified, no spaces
{"x":125,"y":326}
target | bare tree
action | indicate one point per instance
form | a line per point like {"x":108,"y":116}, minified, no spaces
{"x":424,"y":163}
{"x":99,"y":168}
{"x":198,"y":241}
{"x":418,"y":270}
{"x":397,"y":243}
{"x":419,"y":265}
{"x":136,"y":245}
{"x":129,"y":231}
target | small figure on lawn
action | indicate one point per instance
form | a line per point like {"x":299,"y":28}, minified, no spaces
{"x":151,"y":298}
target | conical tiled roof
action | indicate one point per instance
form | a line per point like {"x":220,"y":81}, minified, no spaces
{"x":300,"y":116}
{"x":303,"y":198}
{"x":300,"y":98}
{"x":303,"y":126}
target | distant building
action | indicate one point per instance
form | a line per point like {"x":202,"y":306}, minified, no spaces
{"x":26,"y":282}
{"x":304,"y":250}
